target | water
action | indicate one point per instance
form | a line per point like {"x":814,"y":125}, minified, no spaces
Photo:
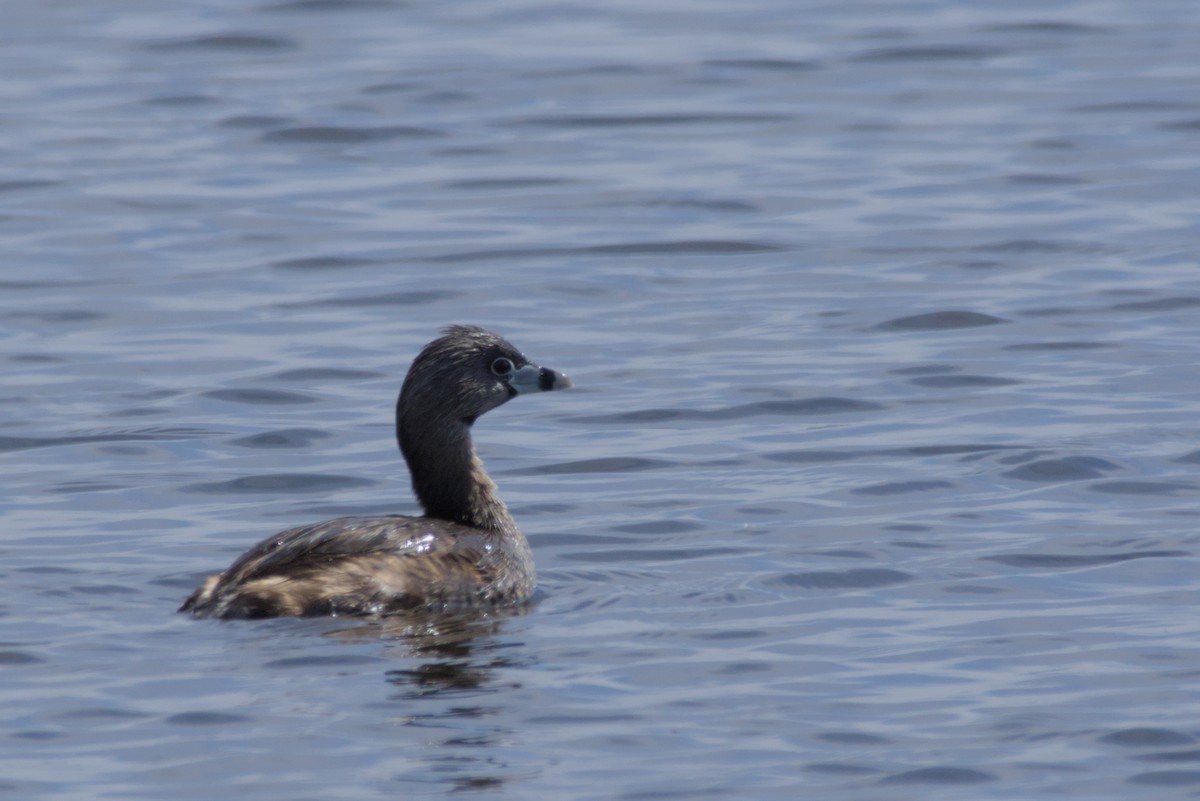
{"x":880,"y":476}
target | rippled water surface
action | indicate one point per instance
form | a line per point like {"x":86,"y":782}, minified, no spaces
{"x":879,"y":481}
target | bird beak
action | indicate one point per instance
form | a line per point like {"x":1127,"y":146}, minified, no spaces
{"x":532,"y":378}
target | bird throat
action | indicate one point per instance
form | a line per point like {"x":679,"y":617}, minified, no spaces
{"x":449,"y":478}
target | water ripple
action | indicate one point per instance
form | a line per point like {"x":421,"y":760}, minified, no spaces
{"x":410,"y":298}
{"x":308,"y":375}
{"x":1068,"y":468}
{"x":26,"y":184}
{"x":259,"y":397}
{"x":963,"y":381}
{"x":901,"y":487}
{"x":323,"y":262}
{"x":208,"y":718}
{"x":1147,"y":738}
{"x":712,"y":247}
{"x":279,"y":482}
{"x":346,"y":135}
{"x":943,"y":53}
{"x":1141,"y":487}
{"x":762,"y":64}
{"x":938,"y":321}
{"x":233,"y":42}
{"x":796,"y":406}
{"x":1159,"y":304}
{"x":862,"y":578}
{"x":282,"y":438}
{"x":1054,"y":561}
{"x":940,"y":775}
{"x":137,"y":435}
{"x":643,"y":120}
{"x":1166,"y":778}
{"x":609,"y":464}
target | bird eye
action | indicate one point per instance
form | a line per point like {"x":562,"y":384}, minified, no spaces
{"x":502,"y":366}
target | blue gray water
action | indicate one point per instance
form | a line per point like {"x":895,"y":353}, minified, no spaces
{"x":880,"y":480}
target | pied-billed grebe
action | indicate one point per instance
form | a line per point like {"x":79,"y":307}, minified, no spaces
{"x":466,"y":551}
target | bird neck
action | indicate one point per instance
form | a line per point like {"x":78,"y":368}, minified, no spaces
{"x":449,"y":478}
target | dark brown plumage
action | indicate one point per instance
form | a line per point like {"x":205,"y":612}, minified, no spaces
{"x":465,"y":551}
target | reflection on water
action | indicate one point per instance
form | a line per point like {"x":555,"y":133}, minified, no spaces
{"x":449,"y":690}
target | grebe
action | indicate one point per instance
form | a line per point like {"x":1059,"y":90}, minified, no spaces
{"x":465,"y":551}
